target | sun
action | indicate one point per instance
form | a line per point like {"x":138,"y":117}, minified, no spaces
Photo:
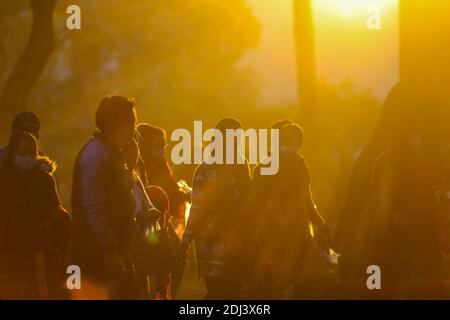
{"x":348,"y":7}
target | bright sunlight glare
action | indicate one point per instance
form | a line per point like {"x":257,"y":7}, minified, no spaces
{"x":347,"y":8}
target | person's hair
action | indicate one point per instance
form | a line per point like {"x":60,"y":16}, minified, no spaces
{"x":291,"y":135}
{"x":113,"y":111}
{"x":281,"y":123}
{"x":228,"y":123}
{"x":14,"y":142}
{"x":148,"y":133}
{"x":26,"y":121}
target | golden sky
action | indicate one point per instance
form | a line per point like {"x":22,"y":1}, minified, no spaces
{"x":346,"y":49}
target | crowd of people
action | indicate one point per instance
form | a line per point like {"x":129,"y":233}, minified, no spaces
{"x":255,"y":236}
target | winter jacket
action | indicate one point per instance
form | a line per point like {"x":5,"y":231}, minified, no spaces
{"x":102,"y":204}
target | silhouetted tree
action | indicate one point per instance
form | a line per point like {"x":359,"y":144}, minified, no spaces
{"x":31,"y":63}
{"x":305,"y":56}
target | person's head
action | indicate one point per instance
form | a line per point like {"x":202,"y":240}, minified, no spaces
{"x":116,"y":119}
{"x":131,"y":154}
{"x":26,"y":122}
{"x":406,"y":134}
{"x":291,"y":137}
{"x":152,"y":141}
{"x":281,"y":123}
{"x":22,"y":150}
{"x":229,"y":124}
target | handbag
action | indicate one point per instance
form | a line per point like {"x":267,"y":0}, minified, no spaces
{"x":154,"y":250}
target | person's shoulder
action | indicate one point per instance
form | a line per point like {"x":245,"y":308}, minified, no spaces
{"x":204,"y":171}
{"x":293,"y":157}
{"x":201,"y":168}
{"x":94,"y":151}
{"x":46,"y":165}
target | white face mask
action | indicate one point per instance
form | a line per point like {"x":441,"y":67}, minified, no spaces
{"x":25,"y":163}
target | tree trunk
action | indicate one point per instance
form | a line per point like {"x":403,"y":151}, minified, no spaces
{"x":31,"y":63}
{"x":424,"y":45}
{"x":423,"y":91}
{"x":305,"y":57}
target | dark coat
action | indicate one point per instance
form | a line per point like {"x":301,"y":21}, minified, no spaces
{"x":27,"y":199}
{"x":286,"y":209}
{"x":103,"y":206}
{"x":404,"y":238}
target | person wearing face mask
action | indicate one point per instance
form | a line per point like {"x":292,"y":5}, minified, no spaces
{"x":404,"y":239}
{"x":27,"y":121}
{"x":23,"y":122}
{"x":103,"y":205}
{"x":32,"y":220}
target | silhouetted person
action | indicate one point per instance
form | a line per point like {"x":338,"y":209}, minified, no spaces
{"x":404,"y":239}
{"x":103,"y":204}
{"x":27,"y":122}
{"x":263,"y":285}
{"x":220,"y":193}
{"x":152,"y":145}
{"x":288,"y":246}
{"x":143,"y":205}
{"x":23,"y":122}
{"x":144,"y":210}
{"x":279,"y":124}
{"x":161,"y":287}
{"x":32,"y":222}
